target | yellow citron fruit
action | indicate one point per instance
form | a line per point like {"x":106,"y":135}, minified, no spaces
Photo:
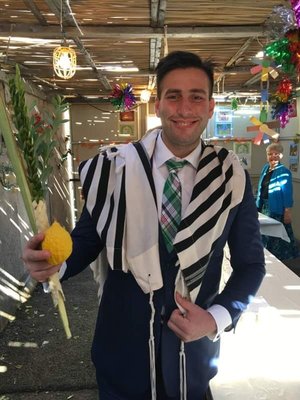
{"x":58,"y":241}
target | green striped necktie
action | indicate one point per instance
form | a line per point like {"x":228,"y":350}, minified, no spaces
{"x":171,"y":203}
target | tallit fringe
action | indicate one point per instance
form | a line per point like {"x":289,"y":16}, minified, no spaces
{"x":152,"y":348}
{"x":182,"y":362}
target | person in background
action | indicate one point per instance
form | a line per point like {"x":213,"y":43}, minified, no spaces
{"x":275,"y":199}
{"x":160,"y":212}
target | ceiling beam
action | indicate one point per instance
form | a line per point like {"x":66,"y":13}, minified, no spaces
{"x":239,"y":53}
{"x":102,"y":78}
{"x":35,"y":11}
{"x":252,"y":80}
{"x":141,"y":32}
{"x":158,"y":10}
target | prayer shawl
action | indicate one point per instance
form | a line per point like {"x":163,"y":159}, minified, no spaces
{"x":120,"y":195}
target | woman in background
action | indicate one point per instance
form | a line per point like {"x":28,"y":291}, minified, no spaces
{"x":275,"y":199}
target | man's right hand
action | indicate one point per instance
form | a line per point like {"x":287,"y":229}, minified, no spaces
{"x":36,"y":260}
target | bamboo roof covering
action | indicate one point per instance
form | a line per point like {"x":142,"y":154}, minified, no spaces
{"x":122,"y":41}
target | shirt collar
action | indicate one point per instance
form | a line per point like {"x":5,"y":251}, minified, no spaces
{"x":162,"y":154}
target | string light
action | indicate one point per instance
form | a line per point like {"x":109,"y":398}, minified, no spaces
{"x":145,"y":95}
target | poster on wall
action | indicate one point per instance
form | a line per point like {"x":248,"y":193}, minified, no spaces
{"x":127,"y":124}
{"x":243,"y":150}
{"x":223,"y":123}
{"x":294,"y":157}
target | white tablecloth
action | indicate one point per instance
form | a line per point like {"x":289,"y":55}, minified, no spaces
{"x":260,"y":361}
{"x":272,"y":227}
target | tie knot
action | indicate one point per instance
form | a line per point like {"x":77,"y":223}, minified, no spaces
{"x":174,"y":166}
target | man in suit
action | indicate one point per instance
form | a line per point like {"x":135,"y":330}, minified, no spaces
{"x":161,"y":312}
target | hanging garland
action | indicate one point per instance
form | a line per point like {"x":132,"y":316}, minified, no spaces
{"x":282,"y":102}
{"x":296,"y":8}
{"x":122,"y":97}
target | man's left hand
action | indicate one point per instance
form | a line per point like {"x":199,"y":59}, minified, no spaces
{"x":194,"y":323}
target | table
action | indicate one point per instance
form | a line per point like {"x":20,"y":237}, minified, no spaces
{"x":260,"y":361}
{"x":272,"y":227}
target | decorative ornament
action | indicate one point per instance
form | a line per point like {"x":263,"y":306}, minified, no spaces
{"x":263,"y":129}
{"x":279,"y":51}
{"x":294,"y":47}
{"x":234,"y":104}
{"x":280,"y":21}
{"x":296,"y":8}
{"x":282,"y":102}
{"x":286,"y":52}
{"x":122,"y":97}
{"x":266,"y":67}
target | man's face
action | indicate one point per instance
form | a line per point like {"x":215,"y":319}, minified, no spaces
{"x":184,"y":109}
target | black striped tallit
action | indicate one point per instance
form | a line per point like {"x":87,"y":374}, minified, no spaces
{"x":219,"y":186}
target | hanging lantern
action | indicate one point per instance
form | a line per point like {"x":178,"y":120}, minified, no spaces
{"x":145,"y":95}
{"x":64,"y":62}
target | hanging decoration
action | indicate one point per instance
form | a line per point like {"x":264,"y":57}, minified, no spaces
{"x":64,"y":62}
{"x":294,"y":48}
{"x":280,"y":21}
{"x":122,"y":97}
{"x":279,"y":51}
{"x":263,"y":129}
{"x":282,"y":102}
{"x":285,"y":53}
{"x":234,"y":104}
{"x":64,"y":57}
{"x":296,"y":8}
{"x":266,"y":67}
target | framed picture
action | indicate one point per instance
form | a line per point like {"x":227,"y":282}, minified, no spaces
{"x":293,"y":157}
{"x":223,"y":129}
{"x":223,"y":123}
{"x":243,"y":150}
{"x":127,"y":116}
{"x":127,"y":129}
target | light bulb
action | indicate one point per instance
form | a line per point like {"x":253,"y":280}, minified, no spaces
{"x":145,"y":95}
{"x":64,"y":61}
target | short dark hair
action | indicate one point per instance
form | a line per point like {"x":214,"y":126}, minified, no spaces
{"x":183,"y":59}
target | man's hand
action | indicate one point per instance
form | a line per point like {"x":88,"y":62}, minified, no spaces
{"x":36,"y":260}
{"x":194,"y":324}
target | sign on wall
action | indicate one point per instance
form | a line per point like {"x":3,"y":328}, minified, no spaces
{"x":223,"y":123}
{"x":243,"y":151}
{"x":293,"y":157}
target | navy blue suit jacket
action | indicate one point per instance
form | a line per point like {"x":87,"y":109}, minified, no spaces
{"x":120,"y":348}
